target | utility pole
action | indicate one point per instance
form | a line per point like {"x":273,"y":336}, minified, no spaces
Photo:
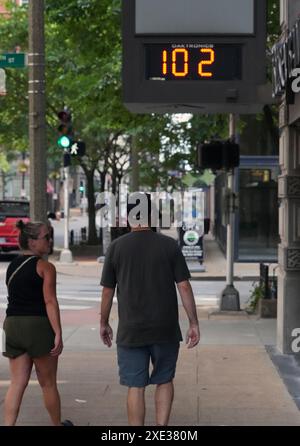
{"x":66,"y":254}
{"x":135,"y":168}
{"x":230,"y":299}
{"x":23,"y":170}
{"x":37,"y":121}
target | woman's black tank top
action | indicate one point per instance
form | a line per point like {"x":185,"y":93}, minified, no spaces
{"x":25,"y":291}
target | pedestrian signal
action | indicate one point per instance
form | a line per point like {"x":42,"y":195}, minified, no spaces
{"x":78,"y":148}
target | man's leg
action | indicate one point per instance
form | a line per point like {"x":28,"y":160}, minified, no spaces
{"x":164,"y":359}
{"x":164,"y":395}
{"x":136,"y":406}
{"x":134,"y":373}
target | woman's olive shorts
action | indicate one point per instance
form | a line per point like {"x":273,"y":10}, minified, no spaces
{"x":27,"y":334}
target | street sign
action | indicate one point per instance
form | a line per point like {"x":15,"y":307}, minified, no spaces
{"x":2,"y":82}
{"x":13,"y":60}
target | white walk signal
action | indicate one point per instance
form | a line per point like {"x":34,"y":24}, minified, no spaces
{"x":74,"y":149}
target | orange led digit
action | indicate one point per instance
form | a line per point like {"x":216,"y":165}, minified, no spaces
{"x":174,"y":62}
{"x":187,"y":61}
{"x":201,"y":71}
{"x":164,"y":65}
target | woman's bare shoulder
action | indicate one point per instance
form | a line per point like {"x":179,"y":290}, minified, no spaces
{"x":45,"y":267}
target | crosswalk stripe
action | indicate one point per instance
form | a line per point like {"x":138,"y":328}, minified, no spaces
{"x":73,"y":307}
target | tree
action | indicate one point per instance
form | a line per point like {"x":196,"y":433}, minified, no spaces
{"x":83,"y":55}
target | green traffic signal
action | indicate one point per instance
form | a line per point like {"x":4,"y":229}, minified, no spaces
{"x":64,"y":142}
{"x":81,"y":187}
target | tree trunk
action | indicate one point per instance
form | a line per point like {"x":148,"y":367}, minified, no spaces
{"x":102,"y":181}
{"x":114,"y":181}
{"x":92,"y":234}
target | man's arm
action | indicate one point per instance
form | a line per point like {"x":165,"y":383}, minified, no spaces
{"x":188,"y":301}
{"x":106,"y":332}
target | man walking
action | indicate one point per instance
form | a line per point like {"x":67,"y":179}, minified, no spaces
{"x":145,"y":266}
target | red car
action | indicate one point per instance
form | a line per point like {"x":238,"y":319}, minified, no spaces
{"x":12,"y":211}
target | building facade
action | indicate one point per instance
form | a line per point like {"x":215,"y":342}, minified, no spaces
{"x":286,"y":80}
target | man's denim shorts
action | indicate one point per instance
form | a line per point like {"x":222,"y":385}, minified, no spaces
{"x":134,"y":364}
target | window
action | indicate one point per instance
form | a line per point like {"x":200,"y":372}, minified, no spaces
{"x":258,"y":214}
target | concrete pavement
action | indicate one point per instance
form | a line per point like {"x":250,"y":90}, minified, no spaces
{"x":234,"y":377}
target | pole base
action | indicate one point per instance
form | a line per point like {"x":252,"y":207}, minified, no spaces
{"x":230,"y":299}
{"x":66,"y":256}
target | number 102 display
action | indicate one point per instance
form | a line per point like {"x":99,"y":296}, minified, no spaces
{"x":192,"y":61}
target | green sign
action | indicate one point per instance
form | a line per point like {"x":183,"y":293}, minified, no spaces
{"x":13,"y":60}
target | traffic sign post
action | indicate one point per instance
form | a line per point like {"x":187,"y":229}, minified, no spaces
{"x":13,"y":60}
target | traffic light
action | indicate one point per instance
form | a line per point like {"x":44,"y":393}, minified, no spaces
{"x":218,"y":155}
{"x":231,"y":154}
{"x":210,"y":155}
{"x":65,"y":129}
{"x":81,"y":188}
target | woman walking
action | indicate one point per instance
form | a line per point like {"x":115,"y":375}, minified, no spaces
{"x":32,"y":325}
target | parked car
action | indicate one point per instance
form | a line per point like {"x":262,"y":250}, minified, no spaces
{"x":12,"y":211}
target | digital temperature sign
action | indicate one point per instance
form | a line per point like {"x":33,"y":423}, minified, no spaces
{"x":195,"y":56}
{"x":193,"y":61}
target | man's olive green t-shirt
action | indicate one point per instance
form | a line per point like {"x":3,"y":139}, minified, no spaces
{"x":145,"y":266}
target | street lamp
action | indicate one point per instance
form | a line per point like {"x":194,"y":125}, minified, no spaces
{"x":23,"y":169}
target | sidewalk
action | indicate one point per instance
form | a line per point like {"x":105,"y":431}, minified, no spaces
{"x":234,"y":377}
{"x":214,"y":263}
{"x":229,"y":379}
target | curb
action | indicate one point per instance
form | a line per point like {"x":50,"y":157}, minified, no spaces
{"x":223,"y":278}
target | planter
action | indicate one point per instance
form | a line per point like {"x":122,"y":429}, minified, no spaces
{"x":267,"y":308}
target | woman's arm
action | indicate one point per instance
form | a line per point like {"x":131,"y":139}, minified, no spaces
{"x":48,"y":273}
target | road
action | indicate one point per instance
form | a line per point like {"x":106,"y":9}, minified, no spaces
{"x":75,"y":224}
{"x":83,"y":293}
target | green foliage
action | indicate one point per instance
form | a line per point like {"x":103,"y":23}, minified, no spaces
{"x":14,"y":106}
{"x":256,"y":294}
{"x":4,"y":164}
{"x":83,"y":71}
{"x":273,"y":25}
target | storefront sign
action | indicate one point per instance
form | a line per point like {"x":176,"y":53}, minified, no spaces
{"x":286,"y":63}
{"x":191,"y":243}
